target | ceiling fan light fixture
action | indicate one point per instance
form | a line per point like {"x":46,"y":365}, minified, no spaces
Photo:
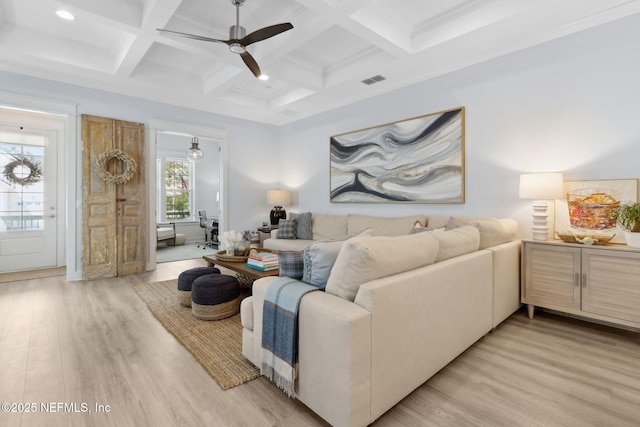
{"x":237,"y":48}
{"x":65,"y":14}
{"x":263,"y":77}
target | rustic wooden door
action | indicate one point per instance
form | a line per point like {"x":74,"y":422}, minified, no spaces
{"x":131,"y":202}
{"x":114,"y":225}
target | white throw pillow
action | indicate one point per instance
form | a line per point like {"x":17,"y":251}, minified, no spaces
{"x":456,"y":242}
{"x":363,"y":259}
{"x":327,"y":227}
{"x":493,"y":231}
{"x":385,"y":226}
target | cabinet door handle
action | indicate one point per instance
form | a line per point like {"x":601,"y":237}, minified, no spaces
{"x":577,"y":280}
{"x":584,"y":280}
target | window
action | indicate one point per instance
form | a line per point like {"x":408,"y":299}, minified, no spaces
{"x":175,"y":188}
{"x":21,"y":185}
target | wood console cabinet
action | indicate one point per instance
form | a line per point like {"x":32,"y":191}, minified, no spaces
{"x":597,"y":282}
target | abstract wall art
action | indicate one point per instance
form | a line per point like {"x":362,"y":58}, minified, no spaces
{"x":419,"y":160}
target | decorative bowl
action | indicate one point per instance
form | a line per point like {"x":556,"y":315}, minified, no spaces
{"x":599,"y":239}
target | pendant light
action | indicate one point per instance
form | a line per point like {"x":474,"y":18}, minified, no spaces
{"x":194,"y":154}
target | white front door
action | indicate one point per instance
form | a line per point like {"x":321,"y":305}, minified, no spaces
{"x":28,"y":198}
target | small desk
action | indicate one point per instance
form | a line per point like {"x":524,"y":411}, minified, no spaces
{"x":240,"y":267}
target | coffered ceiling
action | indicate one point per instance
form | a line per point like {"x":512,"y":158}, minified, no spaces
{"x":114,"y":45}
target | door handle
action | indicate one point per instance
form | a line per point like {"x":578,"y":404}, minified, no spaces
{"x":121,"y":200}
{"x":584,"y":280}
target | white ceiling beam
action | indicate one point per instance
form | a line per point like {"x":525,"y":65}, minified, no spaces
{"x":119,"y":14}
{"x":156,"y":14}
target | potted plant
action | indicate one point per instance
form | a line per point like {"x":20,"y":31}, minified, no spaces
{"x":628,"y":218}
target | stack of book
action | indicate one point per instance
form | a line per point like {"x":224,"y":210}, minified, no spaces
{"x":263,"y":261}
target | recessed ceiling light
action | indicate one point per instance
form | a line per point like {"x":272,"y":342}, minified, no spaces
{"x":66,"y":15}
{"x":263,"y":77}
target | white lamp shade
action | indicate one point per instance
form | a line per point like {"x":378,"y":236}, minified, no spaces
{"x":279,"y":197}
{"x":541,"y":186}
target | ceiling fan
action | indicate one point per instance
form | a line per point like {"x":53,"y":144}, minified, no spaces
{"x":238,"y":40}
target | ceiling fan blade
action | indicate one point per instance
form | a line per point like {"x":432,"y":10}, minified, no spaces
{"x":265,"y":33}
{"x":251,"y":63}
{"x":193,"y":36}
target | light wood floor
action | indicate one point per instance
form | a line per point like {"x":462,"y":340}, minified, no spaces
{"x":96,"y":342}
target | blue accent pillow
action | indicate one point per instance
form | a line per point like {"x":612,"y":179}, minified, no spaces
{"x":303,"y":231}
{"x":291,"y":264}
{"x":287,"y":228}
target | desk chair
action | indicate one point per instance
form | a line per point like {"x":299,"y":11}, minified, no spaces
{"x":210,"y":226}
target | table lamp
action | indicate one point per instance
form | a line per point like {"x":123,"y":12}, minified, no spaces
{"x":541,"y":187}
{"x":278,"y":198}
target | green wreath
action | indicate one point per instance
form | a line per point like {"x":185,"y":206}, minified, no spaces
{"x":102,"y":160}
{"x":35,"y":172}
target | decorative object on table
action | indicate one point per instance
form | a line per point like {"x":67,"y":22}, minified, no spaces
{"x":540,"y":187}
{"x":241,"y":247}
{"x":627,"y":216}
{"x":244,"y":280}
{"x":278,"y":198}
{"x":263,"y":260}
{"x":217,"y":346}
{"x":570,"y":236}
{"x":102,"y":162}
{"x":16,"y":172}
{"x":194,"y":154}
{"x":589,"y":207}
{"x":254,"y":240}
{"x":224,"y":256}
{"x":419,"y":160}
{"x":228,"y":239}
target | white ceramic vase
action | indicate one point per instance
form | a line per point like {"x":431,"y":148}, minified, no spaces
{"x":633,"y":239}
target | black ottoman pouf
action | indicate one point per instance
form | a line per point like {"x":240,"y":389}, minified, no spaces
{"x":185,"y":280}
{"x":215,"y":296}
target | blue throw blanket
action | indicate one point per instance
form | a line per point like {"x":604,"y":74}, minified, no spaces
{"x":280,"y":331}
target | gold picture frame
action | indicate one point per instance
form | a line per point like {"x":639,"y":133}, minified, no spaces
{"x":622,"y":190}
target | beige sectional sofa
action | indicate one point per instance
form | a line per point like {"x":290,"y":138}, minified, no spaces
{"x":396,"y":310}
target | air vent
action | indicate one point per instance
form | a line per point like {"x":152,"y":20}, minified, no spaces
{"x":374,"y":79}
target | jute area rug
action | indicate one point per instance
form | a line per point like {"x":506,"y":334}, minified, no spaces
{"x":216,"y":345}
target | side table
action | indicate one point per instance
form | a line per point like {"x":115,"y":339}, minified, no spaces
{"x":265,"y":233}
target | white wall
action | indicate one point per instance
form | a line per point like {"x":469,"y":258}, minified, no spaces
{"x":568,"y":105}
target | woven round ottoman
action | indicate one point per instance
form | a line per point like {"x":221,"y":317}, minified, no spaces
{"x":185,"y":281}
{"x":215,"y":297}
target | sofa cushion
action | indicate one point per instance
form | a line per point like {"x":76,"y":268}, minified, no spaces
{"x":456,"y":242}
{"x":328,"y":227}
{"x":287,"y":228}
{"x":493,"y":231}
{"x":291,"y":264}
{"x":385,"y":226}
{"x":286,"y":244}
{"x":319,"y":258}
{"x":303,"y":230}
{"x":363,"y":259}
